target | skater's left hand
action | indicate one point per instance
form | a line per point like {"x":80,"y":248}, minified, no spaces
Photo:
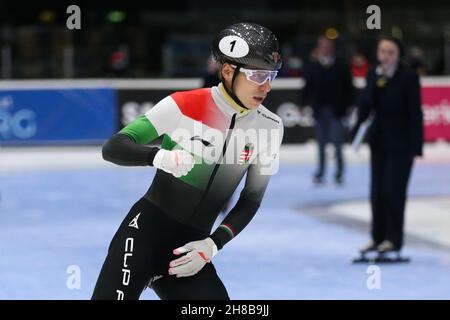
{"x":198,"y":254}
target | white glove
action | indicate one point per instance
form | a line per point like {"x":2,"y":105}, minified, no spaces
{"x":176,"y":162}
{"x":198,"y":254}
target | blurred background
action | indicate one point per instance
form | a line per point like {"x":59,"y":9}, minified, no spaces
{"x":132,"y":39}
{"x":64,"y":92}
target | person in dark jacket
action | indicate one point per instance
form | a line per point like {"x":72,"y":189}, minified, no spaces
{"x":392,"y":96}
{"x":329,"y":91}
{"x":211,"y":77}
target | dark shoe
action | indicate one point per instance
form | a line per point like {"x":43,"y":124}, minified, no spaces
{"x":338,"y":180}
{"x":318,"y":179}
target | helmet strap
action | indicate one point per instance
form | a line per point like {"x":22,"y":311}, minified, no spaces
{"x":231,"y":92}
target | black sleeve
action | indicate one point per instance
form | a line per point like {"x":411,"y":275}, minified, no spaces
{"x":365,"y":105}
{"x":258,"y":176}
{"x":122,"y":150}
{"x":237,"y":219}
{"x":365,"y":102}
{"x":416,"y":115}
{"x":249,"y":201}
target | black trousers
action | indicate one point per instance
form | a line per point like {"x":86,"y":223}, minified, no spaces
{"x":389,"y":183}
{"x":141,"y":251}
{"x":329,"y":129}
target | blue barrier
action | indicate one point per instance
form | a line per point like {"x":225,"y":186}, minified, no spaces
{"x":57,"y":116}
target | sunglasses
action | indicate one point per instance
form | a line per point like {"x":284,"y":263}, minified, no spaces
{"x":258,"y":77}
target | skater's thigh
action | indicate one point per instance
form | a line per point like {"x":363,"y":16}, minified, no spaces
{"x":127,"y":267}
{"x":205,"y":285}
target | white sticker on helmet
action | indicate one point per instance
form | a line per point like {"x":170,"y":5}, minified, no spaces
{"x":233,"y":46}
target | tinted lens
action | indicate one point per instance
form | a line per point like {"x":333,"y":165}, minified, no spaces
{"x":273,"y":75}
{"x":260,"y":76}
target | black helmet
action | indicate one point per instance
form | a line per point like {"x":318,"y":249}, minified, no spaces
{"x":247,"y":44}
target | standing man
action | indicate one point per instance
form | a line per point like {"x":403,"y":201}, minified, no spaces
{"x":212,"y":137}
{"x":329,"y":91}
{"x":392,"y":96}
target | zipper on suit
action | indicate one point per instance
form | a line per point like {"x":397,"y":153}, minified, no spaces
{"x":216,"y":167}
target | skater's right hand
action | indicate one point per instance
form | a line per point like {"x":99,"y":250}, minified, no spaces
{"x":176,"y":162}
{"x":198,"y":253}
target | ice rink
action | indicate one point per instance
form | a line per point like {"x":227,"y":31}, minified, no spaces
{"x":61,"y":206}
